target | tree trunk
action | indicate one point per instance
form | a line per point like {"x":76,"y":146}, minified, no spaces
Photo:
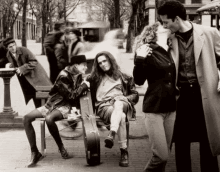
{"x":136,"y":23}
{"x":5,"y":24}
{"x":44,"y":21}
{"x":111,"y":21}
{"x":131,"y":30}
{"x":64,"y":10}
{"x":23,"y":37}
{"x":38,"y":29}
{"x":11,"y":30}
{"x":117,"y":14}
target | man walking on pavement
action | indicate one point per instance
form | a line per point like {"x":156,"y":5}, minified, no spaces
{"x":195,"y":50}
{"x":29,"y":71}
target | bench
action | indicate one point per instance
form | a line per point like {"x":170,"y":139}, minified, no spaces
{"x":43,"y":93}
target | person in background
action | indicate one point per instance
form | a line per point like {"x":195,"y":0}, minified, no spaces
{"x":61,"y":52}
{"x":29,"y":71}
{"x":159,"y":104}
{"x":49,"y":42}
{"x":64,"y":95}
{"x":75,"y":45}
{"x":113,"y":96}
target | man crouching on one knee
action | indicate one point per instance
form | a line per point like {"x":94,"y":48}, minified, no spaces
{"x":114,"y":97}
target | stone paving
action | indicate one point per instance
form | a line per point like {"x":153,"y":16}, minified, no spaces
{"x":15,"y":152}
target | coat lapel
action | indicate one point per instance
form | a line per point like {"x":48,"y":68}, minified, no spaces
{"x":198,"y":42}
{"x":18,"y":53}
{"x":175,"y":53}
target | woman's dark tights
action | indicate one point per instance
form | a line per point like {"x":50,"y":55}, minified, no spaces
{"x":52,"y":127}
{"x":29,"y":129}
{"x":50,"y":120}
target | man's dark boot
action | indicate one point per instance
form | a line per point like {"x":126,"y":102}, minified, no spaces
{"x":109,"y":141}
{"x":35,"y":157}
{"x":124,"y":158}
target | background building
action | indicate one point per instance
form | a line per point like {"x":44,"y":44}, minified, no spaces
{"x":191,"y":7}
{"x":17,"y":27}
{"x":30,"y":26}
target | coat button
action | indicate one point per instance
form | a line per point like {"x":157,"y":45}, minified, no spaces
{"x":169,"y":64}
{"x":169,"y":73}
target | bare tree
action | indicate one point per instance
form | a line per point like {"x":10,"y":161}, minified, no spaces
{"x":66,"y":7}
{"x":49,"y":11}
{"x":115,"y":10}
{"x":36,"y":7}
{"x":117,"y":22}
{"x":136,"y":22}
{"x":23,"y":38}
{"x":9,"y":12}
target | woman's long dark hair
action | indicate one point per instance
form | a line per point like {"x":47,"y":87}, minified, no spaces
{"x":97,"y":73}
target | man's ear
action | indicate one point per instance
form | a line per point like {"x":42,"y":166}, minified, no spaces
{"x":177,"y":19}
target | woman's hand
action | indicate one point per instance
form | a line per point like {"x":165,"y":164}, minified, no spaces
{"x":144,"y":50}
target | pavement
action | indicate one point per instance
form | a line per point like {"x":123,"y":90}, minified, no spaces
{"x":15,"y":151}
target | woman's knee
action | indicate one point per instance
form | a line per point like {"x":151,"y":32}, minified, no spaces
{"x":30,"y":117}
{"x":27,"y":119}
{"x":49,"y":119}
{"x":53,"y":117}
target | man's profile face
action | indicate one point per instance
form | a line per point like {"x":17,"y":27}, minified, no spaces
{"x":169,"y":23}
{"x":72,"y":36}
{"x":104,"y":63}
{"x":12,"y":47}
{"x":62,"y":27}
{"x":82,"y":67}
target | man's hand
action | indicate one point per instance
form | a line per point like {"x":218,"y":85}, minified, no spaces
{"x":18,"y":71}
{"x":144,"y":50}
{"x":8,"y":65}
{"x":218,"y":88}
{"x":87,"y":83}
{"x":121,"y":98}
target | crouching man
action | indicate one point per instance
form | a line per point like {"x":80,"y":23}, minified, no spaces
{"x":114,"y":96}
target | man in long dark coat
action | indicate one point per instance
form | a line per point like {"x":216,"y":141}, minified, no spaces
{"x":29,"y":71}
{"x":51,"y":39}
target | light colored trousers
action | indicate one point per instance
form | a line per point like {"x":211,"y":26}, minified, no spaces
{"x":160,"y":131}
{"x":118,"y":124}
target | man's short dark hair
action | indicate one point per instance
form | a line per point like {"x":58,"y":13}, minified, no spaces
{"x":58,"y":25}
{"x":172,"y":8}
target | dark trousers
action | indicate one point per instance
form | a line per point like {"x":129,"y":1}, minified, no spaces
{"x":190,"y":127}
{"x":52,"y":60}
